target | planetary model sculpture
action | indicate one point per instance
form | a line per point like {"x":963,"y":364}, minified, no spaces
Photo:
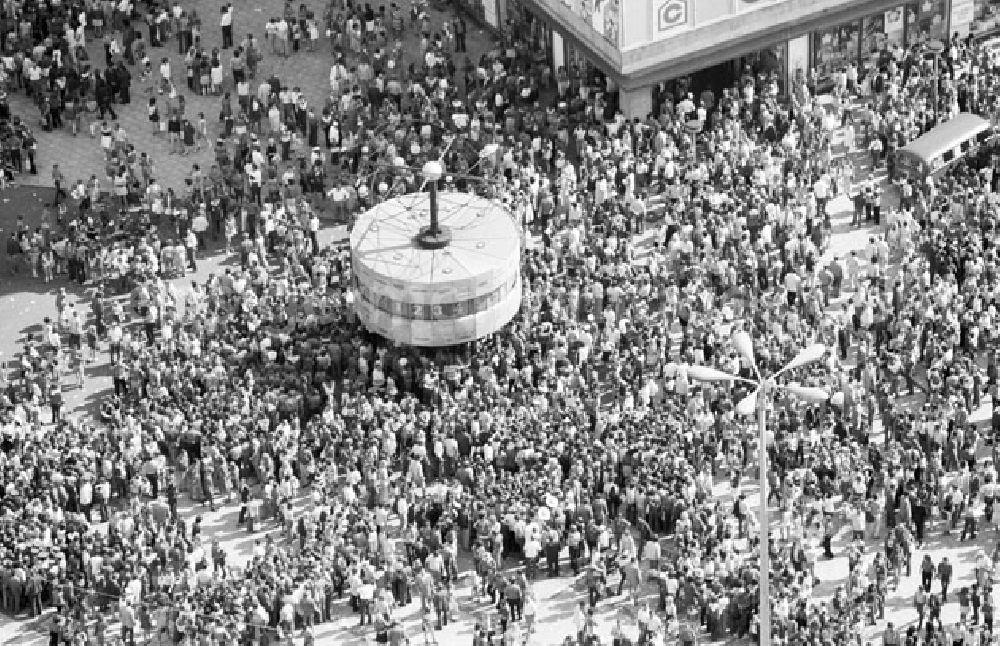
{"x":436,"y":268}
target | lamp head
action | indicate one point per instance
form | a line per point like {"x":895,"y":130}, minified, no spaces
{"x":807,"y":355}
{"x":748,"y":405}
{"x":703,"y":373}
{"x":744,"y":345}
{"x":432,"y":171}
{"x":807,"y":394}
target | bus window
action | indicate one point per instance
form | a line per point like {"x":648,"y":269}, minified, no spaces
{"x":948,"y":156}
{"x":984,"y":135}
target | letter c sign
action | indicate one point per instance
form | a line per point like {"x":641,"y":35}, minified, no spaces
{"x":671,"y":13}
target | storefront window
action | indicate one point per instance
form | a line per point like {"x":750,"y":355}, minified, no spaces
{"x":873,"y":40}
{"x":932,"y":20}
{"x":578,"y":62}
{"x":604,"y":16}
{"x":834,"y":49}
{"x":913,"y":35}
{"x":894,"y":22}
{"x":612,"y":20}
{"x":864,"y":42}
{"x":488,"y":12}
{"x":769,"y":61}
{"x":478,"y":9}
{"x":985,"y":18}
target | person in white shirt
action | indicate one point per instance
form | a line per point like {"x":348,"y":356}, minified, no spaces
{"x":792,"y":285}
{"x":281,"y":37}
{"x":86,"y":494}
{"x":532,"y":549}
{"x":366,"y":598}
{"x":226,"y":25}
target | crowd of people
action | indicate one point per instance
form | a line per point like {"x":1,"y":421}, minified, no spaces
{"x":574,"y":441}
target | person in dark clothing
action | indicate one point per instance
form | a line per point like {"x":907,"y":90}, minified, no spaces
{"x":944,"y":572}
{"x":154,"y":29}
{"x":926,"y":573}
{"x":828,"y":533}
{"x":460,"y":29}
{"x":55,"y":630}
{"x":104,"y":95}
{"x":124,"y":82}
{"x":226,"y":25}
{"x":28,"y":146}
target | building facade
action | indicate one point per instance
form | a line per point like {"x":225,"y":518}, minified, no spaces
{"x":639,"y":43}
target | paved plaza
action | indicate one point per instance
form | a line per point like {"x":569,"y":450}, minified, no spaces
{"x":24,"y":301}
{"x":81,"y":156}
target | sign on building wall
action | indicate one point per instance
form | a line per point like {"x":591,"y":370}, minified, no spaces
{"x":962,"y":14}
{"x":671,"y":14}
{"x":894,"y":22}
{"x":873,"y":38}
{"x":708,"y":11}
{"x":932,"y":21}
{"x":491,"y":12}
{"x":750,"y":5}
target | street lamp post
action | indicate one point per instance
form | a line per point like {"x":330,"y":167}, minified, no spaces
{"x":757,"y":401}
